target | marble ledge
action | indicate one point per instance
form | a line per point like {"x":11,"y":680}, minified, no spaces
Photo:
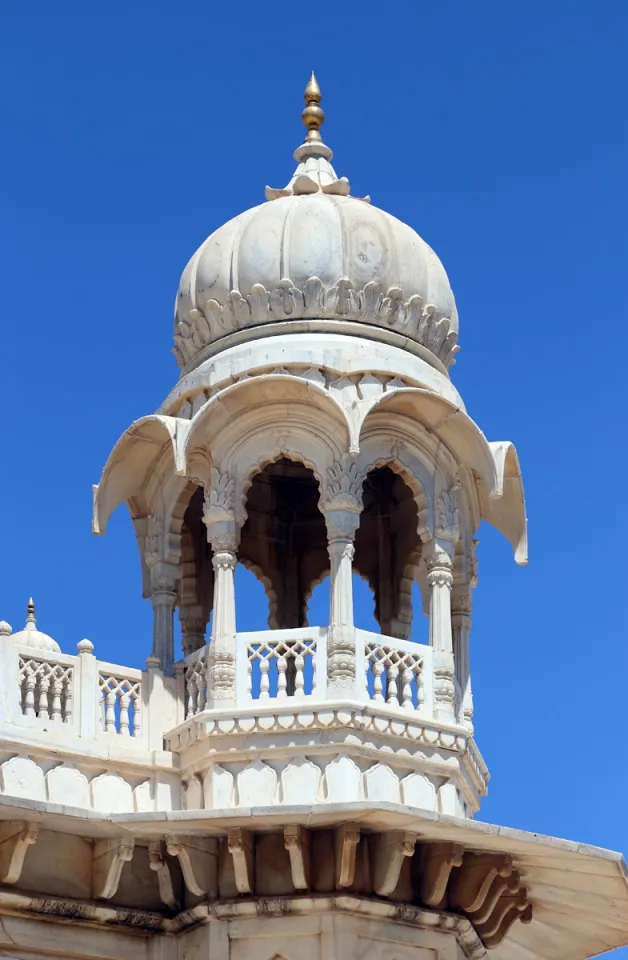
{"x":373,"y":815}
{"x":107,"y":748}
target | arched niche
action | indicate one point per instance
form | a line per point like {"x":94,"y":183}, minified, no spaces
{"x":196,"y":585}
{"x":284,"y":538}
{"x":388,"y":547}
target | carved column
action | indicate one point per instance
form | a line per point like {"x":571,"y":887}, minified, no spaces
{"x":163,"y":583}
{"x":465,"y":581}
{"x":440,"y":578}
{"x":222,"y":534}
{"x":342,"y":505}
{"x":163,"y":589}
{"x":461,"y":629}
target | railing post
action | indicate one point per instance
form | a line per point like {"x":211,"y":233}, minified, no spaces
{"x":10,"y":699}
{"x":180,"y":691}
{"x":86,"y":691}
{"x":154,"y":703}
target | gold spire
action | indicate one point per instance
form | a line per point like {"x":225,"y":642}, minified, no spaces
{"x":313,"y":116}
{"x":30,"y":612}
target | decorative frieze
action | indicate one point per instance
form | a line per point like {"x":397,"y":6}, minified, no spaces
{"x":410,"y":317}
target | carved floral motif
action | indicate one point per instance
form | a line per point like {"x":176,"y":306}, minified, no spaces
{"x":447,"y":515}
{"x":154,"y":538}
{"x":344,"y":485}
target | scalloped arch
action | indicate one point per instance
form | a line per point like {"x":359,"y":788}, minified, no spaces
{"x":282,"y":401}
{"x":494,"y":467}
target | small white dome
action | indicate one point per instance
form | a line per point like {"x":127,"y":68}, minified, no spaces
{"x":30,"y":636}
{"x":314,"y":253}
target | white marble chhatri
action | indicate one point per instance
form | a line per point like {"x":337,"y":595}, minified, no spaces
{"x":308,"y":790}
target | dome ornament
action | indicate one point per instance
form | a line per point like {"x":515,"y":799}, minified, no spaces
{"x":30,"y":614}
{"x":30,"y":636}
{"x":315,"y":173}
{"x":313,"y":115}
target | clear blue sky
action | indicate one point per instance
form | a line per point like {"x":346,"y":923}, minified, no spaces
{"x":132,"y":130}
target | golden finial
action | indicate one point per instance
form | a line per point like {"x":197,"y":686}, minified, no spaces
{"x":313,"y":116}
{"x":30,"y":611}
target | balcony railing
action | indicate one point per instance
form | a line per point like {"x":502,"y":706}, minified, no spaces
{"x":275,"y":665}
{"x":85,"y":697}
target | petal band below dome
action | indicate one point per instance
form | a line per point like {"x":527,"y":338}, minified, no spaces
{"x":371,"y":305}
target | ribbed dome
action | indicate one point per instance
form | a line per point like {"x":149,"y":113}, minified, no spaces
{"x":30,"y":636}
{"x":314,"y":253}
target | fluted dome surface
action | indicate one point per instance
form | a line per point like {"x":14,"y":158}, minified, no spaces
{"x":313,"y":252}
{"x":315,"y":236}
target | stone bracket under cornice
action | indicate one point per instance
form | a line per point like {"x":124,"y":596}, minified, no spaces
{"x":15,"y":839}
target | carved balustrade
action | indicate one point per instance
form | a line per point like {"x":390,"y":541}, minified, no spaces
{"x":277,"y":665}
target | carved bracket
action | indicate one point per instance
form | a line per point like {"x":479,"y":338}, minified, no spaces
{"x":471,"y":884}
{"x":157,"y":862}
{"x":240,"y":843}
{"x":347,"y":839}
{"x":483,"y":886}
{"x":297,"y":841}
{"x":437,"y":862}
{"x":15,"y":839}
{"x":109,"y":859}
{"x":507,"y":909}
{"x":198,"y":858}
{"x":389,"y":851}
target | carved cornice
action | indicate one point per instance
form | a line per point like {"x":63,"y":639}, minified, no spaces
{"x":409,"y":738}
{"x":371,"y":305}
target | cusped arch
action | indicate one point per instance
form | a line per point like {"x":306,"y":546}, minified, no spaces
{"x":448,"y":423}
{"x":131,"y":464}
{"x":494,"y":467}
{"x":286,"y":404}
{"x":376,"y":452}
{"x":269,"y":590}
{"x":294,"y":452}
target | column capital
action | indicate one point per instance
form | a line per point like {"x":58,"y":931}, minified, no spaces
{"x":439,"y":562}
{"x":163,"y":578}
{"x":461,"y":600}
{"x":343,"y":484}
{"x":224,"y":558}
{"x":342,"y":523}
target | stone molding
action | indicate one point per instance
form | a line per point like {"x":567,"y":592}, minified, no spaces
{"x":371,"y":305}
{"x":66,"y":909}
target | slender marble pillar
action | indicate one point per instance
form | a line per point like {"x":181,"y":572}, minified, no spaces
{"x":341,"y":652}
{"x":461,"y":627}
{"x":440,"y":580}
{"x":222,"y":652}
{"x":163,"y":584}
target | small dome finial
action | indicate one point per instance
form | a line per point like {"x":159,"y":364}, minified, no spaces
{"x":313,"y":116}
{"x":30,"y":612}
